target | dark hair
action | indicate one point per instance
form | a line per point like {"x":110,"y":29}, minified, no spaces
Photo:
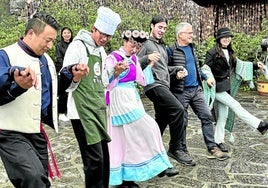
{"x":158,"y":19}
{"x":218,"y":47}
{"x":39,"y":21}
{"x":64,"y":28}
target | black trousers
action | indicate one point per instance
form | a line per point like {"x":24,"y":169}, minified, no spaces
{"x":168,"y":111}
{"x":25,"y":158}
{"x":62,"y":98}
{"x":62,"y":103}
{"x":95,"y":157}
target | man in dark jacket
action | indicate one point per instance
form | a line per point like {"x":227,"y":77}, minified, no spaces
{"x":168,"y":110}
{"x":188,"y":88}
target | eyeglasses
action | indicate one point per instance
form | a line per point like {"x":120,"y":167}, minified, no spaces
{"x":188,"y":33}
{"x":134,"y":43}
{"x":103,"y":35}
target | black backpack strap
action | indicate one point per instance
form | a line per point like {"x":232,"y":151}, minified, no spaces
{"x":88,"y":54}
{"x":66,"y":76}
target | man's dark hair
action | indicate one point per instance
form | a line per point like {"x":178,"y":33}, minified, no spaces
{"x":158,"y":19}
{"x":39,"y":21}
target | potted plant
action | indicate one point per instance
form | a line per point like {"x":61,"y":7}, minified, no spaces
{"x":262,"y":83}
{"x":261,"y":74}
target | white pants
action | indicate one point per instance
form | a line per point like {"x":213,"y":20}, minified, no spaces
{"x":226,"y":101}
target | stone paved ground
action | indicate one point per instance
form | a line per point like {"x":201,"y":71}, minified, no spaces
{"x":247,"y":167}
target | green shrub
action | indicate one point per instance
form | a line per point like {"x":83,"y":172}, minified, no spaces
{"x":80,"y":14}
{"x":11,"y":29}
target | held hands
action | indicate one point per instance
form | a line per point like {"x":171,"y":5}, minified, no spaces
{"x":210,"y":82}
{"x":154,"y":57}
{"x":120,"y":67}
{"x":79,"y":71}
{"x":181,"y":74}
{"x":151,"y":64}
{"x":261,"y":65}
{"x":26,"y":78}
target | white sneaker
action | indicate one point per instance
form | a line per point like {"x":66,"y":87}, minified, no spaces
{"x":62,"y":117}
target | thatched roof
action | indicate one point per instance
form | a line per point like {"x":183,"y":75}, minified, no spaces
{"x":207,"y":3}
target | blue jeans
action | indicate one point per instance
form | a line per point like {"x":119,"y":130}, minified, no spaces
{"x":224,"y":102}
{"x":194,"y":97}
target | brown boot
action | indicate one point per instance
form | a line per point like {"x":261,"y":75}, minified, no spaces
{"x":216,"y":153}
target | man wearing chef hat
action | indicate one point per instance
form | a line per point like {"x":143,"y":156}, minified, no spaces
{"x":86,"y":108}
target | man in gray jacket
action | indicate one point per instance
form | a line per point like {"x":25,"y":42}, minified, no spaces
{"x":168,"y":110}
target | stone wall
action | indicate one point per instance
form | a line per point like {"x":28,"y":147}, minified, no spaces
{"x":24,"y":8}
{"x":247,"y":18}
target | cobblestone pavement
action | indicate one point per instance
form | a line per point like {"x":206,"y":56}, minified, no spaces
{"x":247,"y":167}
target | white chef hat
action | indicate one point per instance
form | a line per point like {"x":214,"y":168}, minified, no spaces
{"x":107,"y":20}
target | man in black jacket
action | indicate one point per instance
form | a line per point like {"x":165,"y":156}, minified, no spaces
{"x":188,"y":88}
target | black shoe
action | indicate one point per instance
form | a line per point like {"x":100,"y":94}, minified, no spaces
{"x":169,"y":172}
{"x":134,"y":185}
{"x":182,"y":157}
{"x":129,"y":184}
{"x":223,"y":147}
{"x":263,"y":126}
